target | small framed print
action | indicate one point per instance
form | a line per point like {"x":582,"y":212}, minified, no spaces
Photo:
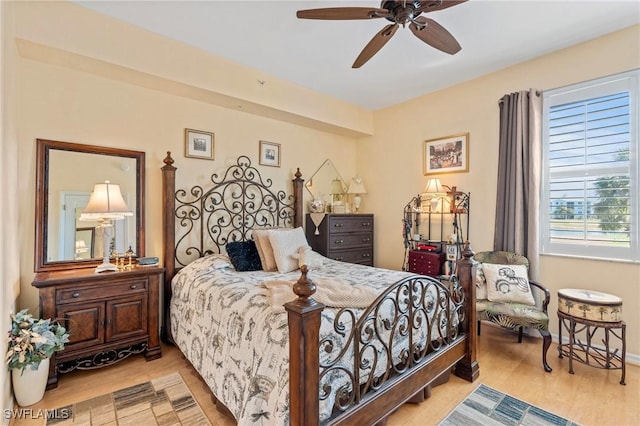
{"x":269,"y":154}
{"x":446,"y":155}
{"x":452,"y":251}
{"x":198,"y":144}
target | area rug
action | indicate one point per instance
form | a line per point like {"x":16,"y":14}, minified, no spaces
{"x":163,"y":401}
{"x":487,"y":407}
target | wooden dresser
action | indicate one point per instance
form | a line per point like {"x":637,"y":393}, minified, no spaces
{"x":109,"y":316}
{"x":426,"y":263}
{"x":344,"y":237}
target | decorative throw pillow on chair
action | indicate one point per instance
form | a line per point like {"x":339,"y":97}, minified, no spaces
{"x":508,"y":283}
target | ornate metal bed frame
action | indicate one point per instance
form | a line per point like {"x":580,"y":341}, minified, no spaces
{"x":240,"y":200}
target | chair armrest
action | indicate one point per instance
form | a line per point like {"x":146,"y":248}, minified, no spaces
{"x":547,"y":294}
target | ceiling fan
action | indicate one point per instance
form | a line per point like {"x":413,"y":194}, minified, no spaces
{"x":399,"y":12}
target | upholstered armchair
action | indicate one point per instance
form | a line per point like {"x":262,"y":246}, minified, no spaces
{"x":504,"y":296}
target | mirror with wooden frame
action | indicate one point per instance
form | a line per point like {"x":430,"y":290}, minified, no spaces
{"x":65,"y":176}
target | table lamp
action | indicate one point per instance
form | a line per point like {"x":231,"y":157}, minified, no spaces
{"x":357,"y":188}
{"x":105,"y":204}
{"x":435,"y":190}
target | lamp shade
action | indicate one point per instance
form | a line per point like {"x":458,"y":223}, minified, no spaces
{"x":106,"y":202}
{"x":434,"y":187}
{"x":357,"y":186}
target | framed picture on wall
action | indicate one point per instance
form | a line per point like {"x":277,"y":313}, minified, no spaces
{"x":449,"y":154}
{"x":198,"y":144}
{"x":269,"y":154}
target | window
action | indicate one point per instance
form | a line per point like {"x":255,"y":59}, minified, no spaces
{"x":589,"y":202}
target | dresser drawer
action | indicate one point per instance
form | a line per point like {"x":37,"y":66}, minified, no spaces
{"x":340,"y":241}
{"x":95,"y":292}
{"x":362,"y":256}
{"x":352,"y":223}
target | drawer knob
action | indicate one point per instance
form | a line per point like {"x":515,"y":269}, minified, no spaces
{"x":339,"y":241}
{"x":133,"y":286}
{"x":338,"y":225}
{"x":366,"y":223}
{"x":366,"y":255}
{"x":76,"y":294}
{"x":339,"y":259}
{"x":366,"y":240}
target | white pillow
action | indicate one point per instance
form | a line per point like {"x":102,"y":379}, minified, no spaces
{"x":285,"y":245}
{"x":480,"y":281}
{"x":265,"y":252}
{"x":508,"y":283}
{"x":306,"y":256}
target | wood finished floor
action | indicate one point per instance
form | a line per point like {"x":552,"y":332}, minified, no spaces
{"x":591,"y":396}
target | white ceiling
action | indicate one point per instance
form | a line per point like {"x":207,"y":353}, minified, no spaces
{"x":266,"y":35}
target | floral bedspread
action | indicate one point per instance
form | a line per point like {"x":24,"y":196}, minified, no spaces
{"x":224,"y":324}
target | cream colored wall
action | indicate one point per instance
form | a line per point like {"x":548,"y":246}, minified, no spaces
{"x":87,"y":78}
{"x":9,"y":233}
{"x":391,"y":161}
{"x":66,"y":105}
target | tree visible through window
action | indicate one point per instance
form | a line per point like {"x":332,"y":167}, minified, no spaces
{"x":590,"y":189}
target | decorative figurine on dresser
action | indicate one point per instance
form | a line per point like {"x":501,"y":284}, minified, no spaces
{"x":445,"y":213}
{"x":110,"y":308}
{"x":344,"y":237}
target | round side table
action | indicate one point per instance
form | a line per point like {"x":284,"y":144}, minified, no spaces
{"x":582,"y":313}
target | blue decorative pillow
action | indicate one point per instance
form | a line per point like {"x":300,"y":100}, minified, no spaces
{"x":244,"y":256}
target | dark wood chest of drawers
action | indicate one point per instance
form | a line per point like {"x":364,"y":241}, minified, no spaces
{"x":344,"y":237}
{"x":426,"y":263}
{"x":109,"y":316}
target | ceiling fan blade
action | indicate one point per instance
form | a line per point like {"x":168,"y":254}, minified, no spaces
{"x":435,"y":35}
{"x":376,"y":43}
{"x":431,"y":6}
{"x":342,"y":13}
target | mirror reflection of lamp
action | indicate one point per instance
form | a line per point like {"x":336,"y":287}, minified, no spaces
{"x":105,"y":204}
{"x":337,"y":191}
{"x":357,"y":188}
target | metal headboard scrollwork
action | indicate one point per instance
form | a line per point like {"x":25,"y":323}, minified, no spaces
{"x":239,"y":201}
{"x":200,"y":221}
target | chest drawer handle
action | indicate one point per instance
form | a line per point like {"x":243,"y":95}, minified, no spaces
{"x":366,"y":240}
{"x":366,"y":223}
{"x":339,"y":259}
{"x":133,"y":286}
{"x":339,"y":241}
{"x":366,"y":255}
{"x":338,"y":225}
{"x":76,"y":294}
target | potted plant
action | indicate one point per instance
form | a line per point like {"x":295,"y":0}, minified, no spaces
{"x":31,"y":343}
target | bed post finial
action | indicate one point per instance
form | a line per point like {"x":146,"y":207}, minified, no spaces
{"x":304,"y":287}
{"x":168,"y":161}
{"x":298,"y":175}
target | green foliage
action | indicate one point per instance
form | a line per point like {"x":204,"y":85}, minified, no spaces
{"x":612,"y":208}
{"x":32,"y":340}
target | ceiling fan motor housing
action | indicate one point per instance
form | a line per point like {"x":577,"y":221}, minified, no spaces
{"x":401,"y":12}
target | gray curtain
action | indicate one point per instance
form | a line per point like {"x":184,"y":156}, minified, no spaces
{"x":519,"y":174}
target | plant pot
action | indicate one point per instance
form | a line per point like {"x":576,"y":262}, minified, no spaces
{"x":29,"y":386}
